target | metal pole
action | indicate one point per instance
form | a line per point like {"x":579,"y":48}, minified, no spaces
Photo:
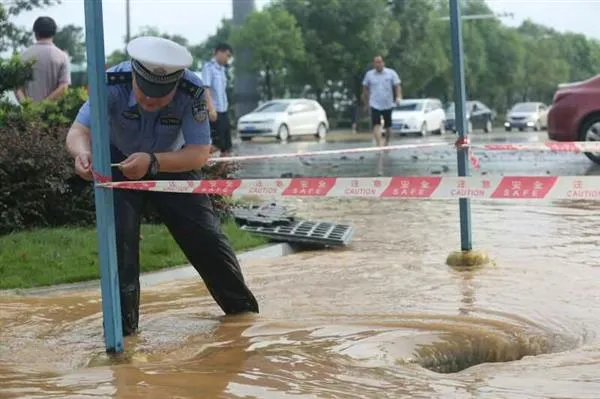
{"x":460,"y":96}
{"x":105,"y":219}
{"x":245,"y":84}
{"x":127,"y":21}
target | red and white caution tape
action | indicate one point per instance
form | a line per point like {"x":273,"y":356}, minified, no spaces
{"x":398,"y":187}
{"x":549,"y":146}
{"x":328,"y":152}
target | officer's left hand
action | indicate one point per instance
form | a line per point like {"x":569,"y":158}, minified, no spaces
{"x":136,"y":165}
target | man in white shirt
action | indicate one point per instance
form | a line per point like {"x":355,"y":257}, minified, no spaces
{"x":381,"y":91}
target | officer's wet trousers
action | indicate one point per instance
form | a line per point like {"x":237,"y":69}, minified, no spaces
{"x":195,"y":227}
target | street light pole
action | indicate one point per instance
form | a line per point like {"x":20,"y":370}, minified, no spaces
{"x":127,"y":21}
{"x":460,"y":96}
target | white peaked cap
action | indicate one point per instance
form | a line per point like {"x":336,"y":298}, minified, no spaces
{"x":160,"y":56}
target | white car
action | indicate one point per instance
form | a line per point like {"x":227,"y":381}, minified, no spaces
{"x":284,"y":118}
{"x":527,"y":115}
{"x":421,"y":116}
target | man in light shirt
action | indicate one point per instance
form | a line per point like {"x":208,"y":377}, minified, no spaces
{"x":214,"y":77}
{"x":51,"y":70}
{"x":381,"y":91}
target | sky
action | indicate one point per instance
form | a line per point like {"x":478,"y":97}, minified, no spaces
{"x":197,"y":19}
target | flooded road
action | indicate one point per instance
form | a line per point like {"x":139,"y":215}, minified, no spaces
{"x":384,"y":318}
{"x":420,"y":161}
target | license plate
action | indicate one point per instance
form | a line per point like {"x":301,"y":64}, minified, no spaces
{"x":248,"y":127}
{"x":398,"y":126}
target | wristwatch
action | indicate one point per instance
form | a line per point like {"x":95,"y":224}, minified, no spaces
{"x":153,"y":167}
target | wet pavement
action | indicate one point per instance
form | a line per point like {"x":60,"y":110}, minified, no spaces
{"x":384,"y":318}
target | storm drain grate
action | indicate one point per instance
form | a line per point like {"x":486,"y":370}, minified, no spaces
{"x":306,"y":232}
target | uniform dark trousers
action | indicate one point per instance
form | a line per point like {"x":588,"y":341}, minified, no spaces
{"x":220,"y":131}
{"x":195,"y":227}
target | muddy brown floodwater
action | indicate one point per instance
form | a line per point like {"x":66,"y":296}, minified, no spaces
{"x":384,"y":318}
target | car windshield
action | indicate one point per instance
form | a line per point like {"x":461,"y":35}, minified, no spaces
{"x":524,"y":107}
{"x":275,"y":106}
{"x":450,"y":108}
{"x":409,"y":106}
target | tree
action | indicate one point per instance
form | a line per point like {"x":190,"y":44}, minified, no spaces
{"x":118,"y":56}
{"x":340,"y":39}
{"x":204,"y":51}
{"x":275,"y":42}
{"x":71,"y":40}
{"x":13,"y":37}
{"x":14,"y":73}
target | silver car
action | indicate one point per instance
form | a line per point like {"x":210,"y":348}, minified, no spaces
{"x":527,"y":115}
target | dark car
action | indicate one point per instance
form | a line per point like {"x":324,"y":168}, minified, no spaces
{"x":479,"y":116}
{"x":575,"y":113}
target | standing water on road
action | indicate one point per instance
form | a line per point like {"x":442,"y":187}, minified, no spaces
{"x":384,"y":318}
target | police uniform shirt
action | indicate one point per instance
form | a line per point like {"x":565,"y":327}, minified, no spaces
{"x":183,"y":121}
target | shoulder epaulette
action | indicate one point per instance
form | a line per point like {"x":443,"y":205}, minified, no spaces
{"x":191,"y":88}
{"x":116,"y":78}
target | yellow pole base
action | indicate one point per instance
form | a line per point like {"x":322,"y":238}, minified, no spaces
{"x":468,"y":259}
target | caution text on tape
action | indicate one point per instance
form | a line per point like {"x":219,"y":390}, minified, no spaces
{"x":397,"y":187}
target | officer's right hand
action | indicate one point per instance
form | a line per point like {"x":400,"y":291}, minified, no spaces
{"x":83,"y":166}
{"x":212,"y":115}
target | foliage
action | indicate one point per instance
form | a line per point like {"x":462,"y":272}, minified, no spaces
{"x":12,"y":36}
{"x":119,"y":56}
{"x":502,"y":64}
{"x":275,"y":42}
{"x":35,"y":177}
{"x":14,"y":73}
{"x":70,"y":39}
{"x":204,"y":51}
{"x":50,"y":114}
{"x":38,"y":187}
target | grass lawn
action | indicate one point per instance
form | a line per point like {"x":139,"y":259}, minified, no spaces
{"x":66,"y":255}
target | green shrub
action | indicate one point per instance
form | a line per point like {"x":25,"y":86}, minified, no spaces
{"x":36,"y":179}
{"x":14,"y":73}
{"x":38,"y":187}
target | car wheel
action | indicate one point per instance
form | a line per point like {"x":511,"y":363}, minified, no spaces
{"x":488,"y":126}
{"x":424,"y":129}
{"x":283,"y":133}
{"x":321,"y":131}
{"x":442,"y":128}
{"x":508,"y":129}
{"x":590,"y":131}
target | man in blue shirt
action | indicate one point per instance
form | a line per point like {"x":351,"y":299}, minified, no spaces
{"x":214,"y":77}
{"x":381,"y":91}
{"x":159,"y":130}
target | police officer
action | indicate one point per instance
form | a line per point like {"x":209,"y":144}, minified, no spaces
{"x":159,"y":130}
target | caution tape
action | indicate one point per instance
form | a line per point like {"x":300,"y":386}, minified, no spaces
{"x":397,"y":187}
{"x":328,"y":152}
{"x":549,"y":146}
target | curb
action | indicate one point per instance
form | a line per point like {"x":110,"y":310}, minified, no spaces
{"x":155,"y":277}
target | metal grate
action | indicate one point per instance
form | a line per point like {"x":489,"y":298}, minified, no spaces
{"x":317,"y":233}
